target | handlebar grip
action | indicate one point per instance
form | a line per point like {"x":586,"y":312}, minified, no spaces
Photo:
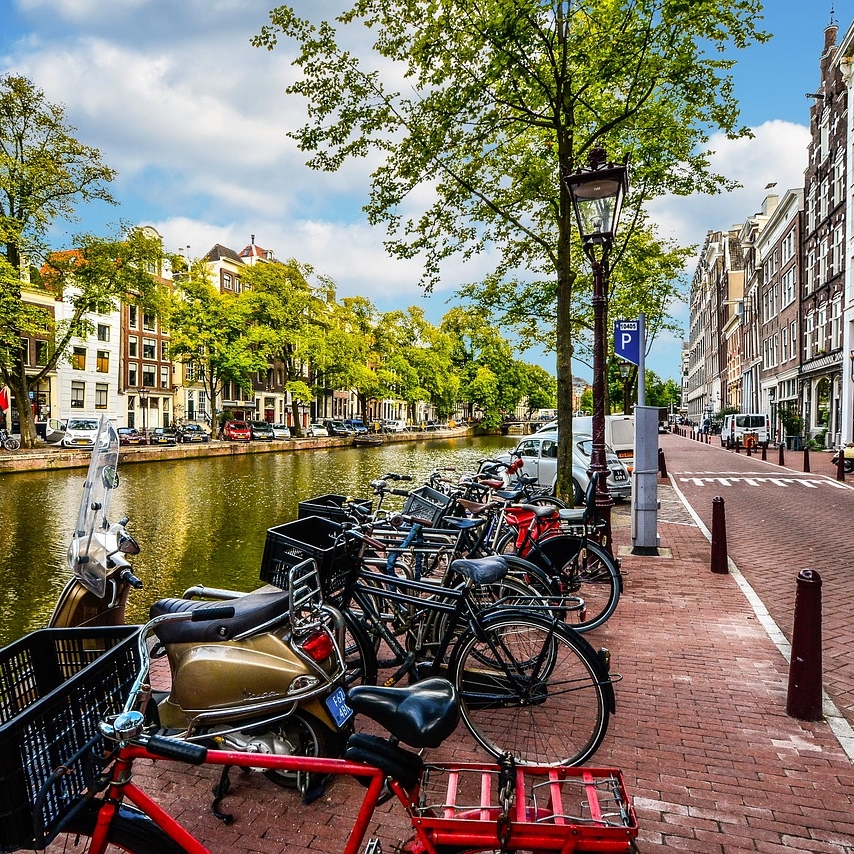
{"x":403,"y":492}
{"x":405,"y":477}
{"x":220,"y":612}
{"x":129,"y":578}
{"x":180,"y":751}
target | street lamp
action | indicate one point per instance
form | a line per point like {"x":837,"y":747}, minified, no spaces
{"x":143,"y":402}
{"x":597,"y":197}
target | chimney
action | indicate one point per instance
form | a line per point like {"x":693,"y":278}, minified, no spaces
{"x":252,"y":239}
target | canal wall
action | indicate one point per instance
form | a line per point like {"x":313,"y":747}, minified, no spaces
{"x":49,"y":458}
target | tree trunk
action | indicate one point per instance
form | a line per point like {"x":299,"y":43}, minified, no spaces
{"x":297,"y":431}
{"x":17,"y":382}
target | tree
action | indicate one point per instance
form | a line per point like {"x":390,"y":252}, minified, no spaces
{"x":44,"y":173}
{"x":211,"y":333}
{"x":94,"y":278}
{"x":501,"y":98}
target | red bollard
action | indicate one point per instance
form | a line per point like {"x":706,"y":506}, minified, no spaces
{"x":662,"y":464}
{"x":803,"y":700}
{"x":806,"y":458}
{"x":782,"y":460}
{"x":840,"y":465}
{"x":719,"y":549}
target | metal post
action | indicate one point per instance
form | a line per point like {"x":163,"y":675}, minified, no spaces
{"x":840,"y":465}
{"x":781,"y":456}
{"x":603,"y":502}
{"x":806,"y":458}
{"x":719,"y":547}
{"x":803,"y":700}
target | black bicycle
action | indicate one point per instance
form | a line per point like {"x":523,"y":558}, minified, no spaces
{"x":9,"y":443}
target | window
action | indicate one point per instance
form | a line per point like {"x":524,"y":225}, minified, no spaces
{"x":164,"y":350}
{"x":190,"y":372}
{"x":102,"y":365}
{"x":149,"y":322}
{"x":227,"y":282}
{"x":78,"y":358}
{"x":149,"y":376}
{"x":149,"y":348}
{"x":25,"y":351}
{"x":133,"y":376}
{"x":164,"y":377}
{"x":103,"y":332}
{"x":788,"y":291}
{"x":78,"y":395}
{"x":101,"y":390}
{"x":133,"y":346}
{"x":133,"y":317}
{"x":42,"y":352}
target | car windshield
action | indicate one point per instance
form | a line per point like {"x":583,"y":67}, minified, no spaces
{"x":82,"y":424}
{"x":240,"y":425}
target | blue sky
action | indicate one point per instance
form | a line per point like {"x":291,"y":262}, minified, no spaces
{"x":194,"y":119}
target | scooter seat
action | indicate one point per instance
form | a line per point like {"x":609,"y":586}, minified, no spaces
{"x":421,"y":715}
{"x":251,"y":610}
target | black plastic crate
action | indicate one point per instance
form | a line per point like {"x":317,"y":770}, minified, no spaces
{"x":312,"y":537}
{"x":427,"y":505}
{"x":55,"y":686}
{"x":331,"y":507}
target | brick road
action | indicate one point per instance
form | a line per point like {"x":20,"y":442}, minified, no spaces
{"x":713,"y":761}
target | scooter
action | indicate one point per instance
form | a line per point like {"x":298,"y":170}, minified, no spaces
{"x":267,"y":680}
{"x":848,"y":458}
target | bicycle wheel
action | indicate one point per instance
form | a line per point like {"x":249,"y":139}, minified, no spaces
{"x":530,"y":686}
{"x":130,"y":831}
{"x":360,"y":657}
{"x":586,"y":572}
{"x":11,"y":444}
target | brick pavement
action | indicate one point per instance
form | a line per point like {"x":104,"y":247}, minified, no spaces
{"x":701,"y":734}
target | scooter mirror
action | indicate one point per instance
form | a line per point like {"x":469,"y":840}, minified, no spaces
{"x":110,"y":477}
{"x":128,"y":545}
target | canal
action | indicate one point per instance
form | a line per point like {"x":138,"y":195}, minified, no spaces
{"x":197,"y":521}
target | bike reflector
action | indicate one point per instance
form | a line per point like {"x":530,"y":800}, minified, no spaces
{"x":318,"y":646}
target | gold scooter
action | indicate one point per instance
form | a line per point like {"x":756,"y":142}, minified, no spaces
{"x":269,"y":679}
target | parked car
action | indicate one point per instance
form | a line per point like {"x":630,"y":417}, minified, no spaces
{"x":130,"y":436}
{"x":261,"y":430}
{"x":281,"y":431}
{"x":192,"y":433}
{"x":336,"y":428}
{"x":539,"y":453}
{"x":356,"y":425}
{"x":237,"y":431}
{"x":316,"y":429}
{"x":80,"y":433}
{"x":162,"y":436}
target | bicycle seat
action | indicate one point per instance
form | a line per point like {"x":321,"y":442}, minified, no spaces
{"x":251,"y":610}
{"x":481,"y":570}
{"x":573,"y":515}
{"x":459,"y":523}
{"x":422,"y":715}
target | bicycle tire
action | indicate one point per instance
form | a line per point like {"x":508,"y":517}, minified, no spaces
{"x":11,"y":444}
{"x":586,"y":571}
{"x":533,"y":687}
{"x":360,"y":656}
{"x":131,"y":831}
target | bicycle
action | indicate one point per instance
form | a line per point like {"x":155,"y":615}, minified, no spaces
{"x":82,"y":777}
{"x":10,"y":443}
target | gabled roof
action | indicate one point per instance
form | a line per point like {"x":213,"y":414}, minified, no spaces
{"x":218,"y":252}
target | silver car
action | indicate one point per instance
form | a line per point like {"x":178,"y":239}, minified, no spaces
{"x":539,"y":454}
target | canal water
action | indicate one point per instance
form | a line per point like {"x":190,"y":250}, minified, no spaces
{"x":200,"y":521}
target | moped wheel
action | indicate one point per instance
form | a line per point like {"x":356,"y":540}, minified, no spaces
{"x":302,"y":734}
{"x":848,"y":465}
{"x":130,"y":831}
{"x":530,"y":686}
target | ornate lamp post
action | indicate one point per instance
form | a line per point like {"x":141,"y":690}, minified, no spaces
{"x":143,"y":402}
{"x":625,"y":372}
{"x":597,"y":197}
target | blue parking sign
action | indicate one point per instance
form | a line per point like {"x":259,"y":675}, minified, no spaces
{"x":627,"y":340}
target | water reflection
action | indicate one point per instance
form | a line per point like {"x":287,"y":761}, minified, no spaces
{"x":197,"y":521}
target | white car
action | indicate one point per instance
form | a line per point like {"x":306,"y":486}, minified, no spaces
{"x":80,"y":433}
{"x":315,"y":429}
{"x":539,"y":454}
{"x":395,"y":425}
{"x":281,"y":431}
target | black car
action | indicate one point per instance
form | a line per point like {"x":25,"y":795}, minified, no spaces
{"x":336,"y":428}
{"x":162,"y":436}
{"x":192,"y":433}
{"x":261,"y":430}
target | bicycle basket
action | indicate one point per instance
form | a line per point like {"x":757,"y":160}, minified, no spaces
{"x":331,"y":507}
{"x":55,"y":686}
{"x":312,"y":537}
{"x":427,"y":505}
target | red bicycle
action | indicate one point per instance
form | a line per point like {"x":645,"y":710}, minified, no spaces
{"x":73,"y":750}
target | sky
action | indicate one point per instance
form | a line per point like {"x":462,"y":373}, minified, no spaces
{"x":195,"y":120}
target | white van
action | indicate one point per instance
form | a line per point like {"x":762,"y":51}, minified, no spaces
{"x":619,"y":435}
{"x":737,"y":427}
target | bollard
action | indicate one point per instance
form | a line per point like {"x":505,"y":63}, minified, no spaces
{"x":782,"y":459}
{"x":806,"y":458}
{"x":840,"y":465}
{"x":738,"y":446}
{"x":727,"y":443}
{"x":719,"y":550}
{"x":765,"y":451}
{"x":749,"y":450}
{"x":662,"y":464}
{"x":803,"y":700}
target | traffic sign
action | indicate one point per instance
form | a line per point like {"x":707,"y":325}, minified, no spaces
{"x":627,"y":340}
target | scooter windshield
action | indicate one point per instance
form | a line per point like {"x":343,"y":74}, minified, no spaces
{"x":87,"y":553}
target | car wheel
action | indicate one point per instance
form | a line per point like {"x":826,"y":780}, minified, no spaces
{"x":577,"y":494}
